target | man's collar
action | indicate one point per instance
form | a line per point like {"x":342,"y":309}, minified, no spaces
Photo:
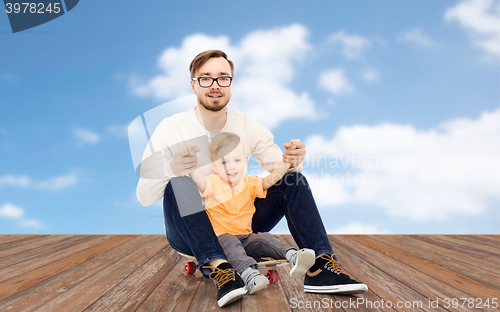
{"x":196,"y":111}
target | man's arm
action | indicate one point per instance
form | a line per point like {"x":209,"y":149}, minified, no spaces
{"x":159,"y":161}
{"x":267,"y":154}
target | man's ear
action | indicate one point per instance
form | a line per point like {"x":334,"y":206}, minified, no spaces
{"x":192,"y":86}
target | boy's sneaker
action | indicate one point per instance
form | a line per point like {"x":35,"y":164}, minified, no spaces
{"x":254,"y":280}
{"x":301,"y":261}
{"x":230,"y":286}
{"x":326,"y":276}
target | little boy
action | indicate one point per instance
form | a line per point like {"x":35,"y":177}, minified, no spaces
{"x":229,"y":203}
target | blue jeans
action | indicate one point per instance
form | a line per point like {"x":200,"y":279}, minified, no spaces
{"x":290,"y":197}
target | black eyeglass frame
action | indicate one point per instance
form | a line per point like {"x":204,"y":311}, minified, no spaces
{"x":214,"y":79}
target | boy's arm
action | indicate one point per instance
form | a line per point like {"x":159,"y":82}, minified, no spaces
{"x":280,"y":171}
{"x":275,"y":176}
{"x":198,"y":178}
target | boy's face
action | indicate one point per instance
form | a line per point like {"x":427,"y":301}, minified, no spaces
{"x":232,"y":166}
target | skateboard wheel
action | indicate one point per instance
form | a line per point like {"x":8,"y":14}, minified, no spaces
{"x":190,"y":268}
{"x":273,"y":276}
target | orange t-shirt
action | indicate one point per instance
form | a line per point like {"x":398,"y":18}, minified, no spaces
{"x":231,"y":209}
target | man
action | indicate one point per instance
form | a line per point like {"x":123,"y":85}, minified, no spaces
{"x":188,"y":227}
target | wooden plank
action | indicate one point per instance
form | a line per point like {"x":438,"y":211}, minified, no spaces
{"x":484,"y":244}
{"x":205,"y":299}
{"x":495,"y":237}
{"x":457,"y":245}
{"x":13,"y":270}
{"x":45,"y":252}
{"x":188,"y":294}
{"x":458,"y":281}
{"x":129,"y":294}
{"x":411,"y":277}
{"x":453,"y":254}
{"x":45,"y":291}
{"x":29,"y":279}
{"x":167,"y":294}
{"x":85,"y":293}
{"x":491,"y":238}
{"x":448,"y":260}
{"x":29,"y":247}
{"x":271,"y":298}
{"x":5,"y":237}
{"x":385,"y":286}
{"x":17,"y":240}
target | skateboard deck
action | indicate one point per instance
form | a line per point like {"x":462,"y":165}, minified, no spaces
{"x":266,"y":263}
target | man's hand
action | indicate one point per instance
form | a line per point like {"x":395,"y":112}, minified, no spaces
{"x":295,"y":153}
{"x":184,"y":161}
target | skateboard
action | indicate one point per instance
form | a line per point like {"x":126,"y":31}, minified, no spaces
{"x":266,"y":263}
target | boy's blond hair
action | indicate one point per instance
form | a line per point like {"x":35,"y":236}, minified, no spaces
{"x":222,"y":144}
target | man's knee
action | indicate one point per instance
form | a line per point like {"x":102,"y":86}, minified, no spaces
{"x":295,"y":179}
{"x":183,"y":192}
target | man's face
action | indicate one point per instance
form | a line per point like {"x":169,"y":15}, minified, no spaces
{"x":213,"y":98}
{"x":232,"y":166}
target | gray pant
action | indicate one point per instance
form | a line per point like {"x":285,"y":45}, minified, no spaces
{"x":242,"y":250}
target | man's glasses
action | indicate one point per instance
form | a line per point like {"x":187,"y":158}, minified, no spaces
{"x":206,"y":82}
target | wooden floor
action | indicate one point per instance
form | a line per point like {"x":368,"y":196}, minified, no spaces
{"x":143,"y":273}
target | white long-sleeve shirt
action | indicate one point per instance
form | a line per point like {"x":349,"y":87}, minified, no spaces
{"x":184,"y":129}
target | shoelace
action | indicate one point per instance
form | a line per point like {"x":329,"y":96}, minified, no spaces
{"x":332,"y":264}
{"x":221,"y":276}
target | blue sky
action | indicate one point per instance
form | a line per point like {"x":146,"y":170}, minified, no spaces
{"x":402,"y":96}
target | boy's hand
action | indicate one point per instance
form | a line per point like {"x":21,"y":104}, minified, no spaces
{"x":293,"y":144}
{"x":295,"y":153}
{"x":185,"y":160}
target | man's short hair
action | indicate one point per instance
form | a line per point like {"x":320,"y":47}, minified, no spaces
{"x":223,"y":144}
{"x":203,"y":57}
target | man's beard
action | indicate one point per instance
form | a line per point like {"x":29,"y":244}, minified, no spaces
{"x":213,"y":108}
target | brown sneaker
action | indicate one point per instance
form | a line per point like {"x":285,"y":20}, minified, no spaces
{"x":326,"y":276}
{"x":230,"y":286}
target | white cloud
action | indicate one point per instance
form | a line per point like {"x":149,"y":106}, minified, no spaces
{"x":11,"y":211}
{"x":335,"y":82}
{"x":371,"y":75}
{"x":352,"y":46}
{"x":265,"y":62}
{"x":52,"y":184}
{"x":422,"y":175}
{"x":84,"y":136}
{"x":119,"y":131}
{"x":59,"y":182}
{"x":31,"y":223}
{"x":13,"y":180}
{"x":358,"y":228}
{"x":417,"y":37}
{"x":482,"y":19}
{"x":14,"y":212}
